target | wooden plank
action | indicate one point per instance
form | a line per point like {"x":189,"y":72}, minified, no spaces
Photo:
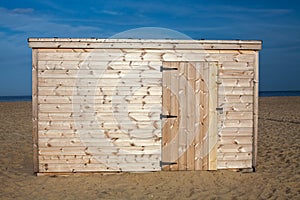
{"x":58,"y":125}
{"x":235,"y":98}
{"x":132,"y":150}
{"x":236,"y":164}
{"x":92,"y":108}
{"x":170,"y":150}
{"x":94,"y":65}
{"x":255,"y":110}
{"x":94,"y":82}
{"x":235,"y":131}
{"x":234,"y":156}
{"x":111,"y":133}
{"x":166,"y":135}
{"x":100,"y":91}
{"x":97,"y":55}
{"x":103,"y":88}
{"x":146,"y":99}
{"x":235,"y":91}
{"x":205,"y":126}
{"x":236,"y":73}
{"x":233,"y":65}
{"x":98,"y":74}
{"x":241,"y":140}
{"x":237,"y":123}
{"x":236,"y":57}
{"x":149,"y":44}
{"x":182,"y":137}
{"x":174,"y":111}
{"x":240,"y":51}
{"x":244,"y":148}
{"x":191,"y":118}
{"x":143,"y":55}
{"x":200,"y":113}
{"x":132,"y":116}
{"x":234,"y":82}
{"x":90,"y":159}
{"x":237,"y":107}
{"x":213,"y":89}
{"x":133,"y":167}
{"x":140,"y":50}
{"x":35,"y":110}
{"x":98,"y":142}
{"x":238,"y":115}
{"x":54,"y":167}
{"x":113,"y":41}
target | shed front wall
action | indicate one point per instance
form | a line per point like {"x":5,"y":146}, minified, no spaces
{"x":99,"y":109}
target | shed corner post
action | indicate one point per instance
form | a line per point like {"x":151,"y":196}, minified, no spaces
{"x":35,"y":109}
{"x":255,"y":109}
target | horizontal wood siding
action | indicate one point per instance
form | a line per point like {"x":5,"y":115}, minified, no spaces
{"x":235,"y":121}
{"x":97,"y":102}
{"x":95,"y":116}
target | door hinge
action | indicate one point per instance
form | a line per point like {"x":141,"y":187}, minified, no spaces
{"x":168,"y":69}
{"x":167,"y":116}
{"x":161,"y":163}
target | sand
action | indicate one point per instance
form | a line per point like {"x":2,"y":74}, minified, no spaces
{"x":277,"y":176}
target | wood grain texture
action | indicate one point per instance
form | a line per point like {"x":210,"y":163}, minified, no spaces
{"x":213,"y":98}
{"x":191,"y":86}
{"x":149,"y":44}
{"x":255,"y":110}
{"x":106,"y":96}
{"x":35,"y":111}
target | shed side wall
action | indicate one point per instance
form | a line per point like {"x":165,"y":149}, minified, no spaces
{"x":76,"y":115}
{"x":98,"y":112}
{"x":236,"y":121}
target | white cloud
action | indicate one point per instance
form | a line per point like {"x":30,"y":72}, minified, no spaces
{"x":108,"y":12}
{"x":23,"y":10}
{"x":42,"y":26}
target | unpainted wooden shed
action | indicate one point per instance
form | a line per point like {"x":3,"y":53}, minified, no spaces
{"x":144,"y":105}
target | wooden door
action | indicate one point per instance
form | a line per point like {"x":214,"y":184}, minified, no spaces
{"x":189,"y":131}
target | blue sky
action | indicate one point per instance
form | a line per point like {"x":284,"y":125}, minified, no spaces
{"x":277,"y":23}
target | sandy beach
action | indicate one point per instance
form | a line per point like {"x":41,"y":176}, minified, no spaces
{"x":277,"y":175}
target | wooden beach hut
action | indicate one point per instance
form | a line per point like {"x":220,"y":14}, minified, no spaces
{"x":144,"y":105}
